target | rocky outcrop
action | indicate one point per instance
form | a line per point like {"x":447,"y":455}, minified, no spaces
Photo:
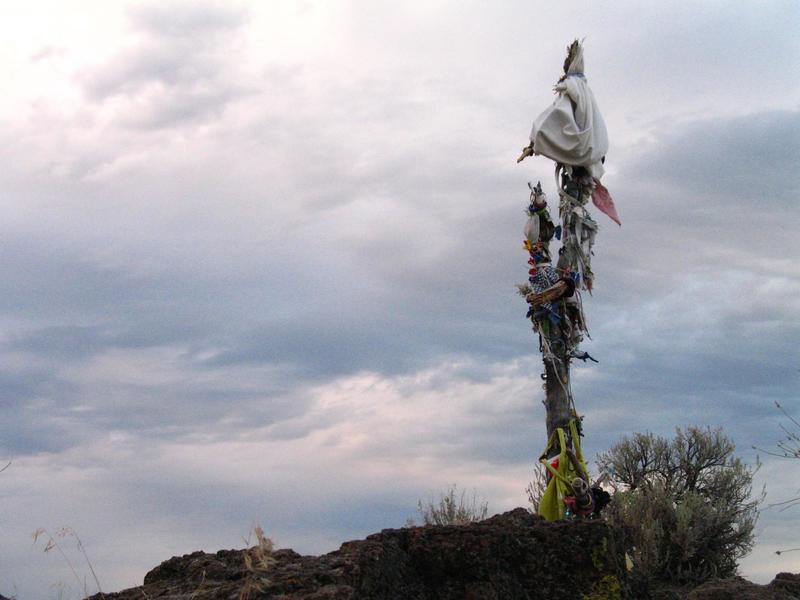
{"x":511,"y":556}
{"x":785,"y":586}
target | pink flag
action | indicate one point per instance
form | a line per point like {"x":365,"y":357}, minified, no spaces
{"x":602,"y":200}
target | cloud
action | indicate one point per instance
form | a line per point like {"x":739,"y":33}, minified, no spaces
{"x":302,"y":474}
{"x":741,"y":162}
{"x":180,"y":70}
{"x":188,"y":19}
{"x":385,"y":286}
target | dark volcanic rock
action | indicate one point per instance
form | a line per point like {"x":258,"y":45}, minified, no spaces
{"x":787,"y":582}
{"x":785,"y":586}
{"x":511,"y":556}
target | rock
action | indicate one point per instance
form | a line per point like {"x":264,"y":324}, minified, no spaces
{"x":511,"y":556}
{"x":787,"y":582}
{"x":736,"y":588}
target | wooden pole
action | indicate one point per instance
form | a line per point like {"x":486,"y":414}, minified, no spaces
{"x":556,"y":362}
{"x":557,"y":401}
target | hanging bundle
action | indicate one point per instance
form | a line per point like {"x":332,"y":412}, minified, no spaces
{"x":572,"y":131}
{"x":563,"y":490}
{"x":541,"y":277}
{"x":538,"y":231}
{"x":538,"y":228}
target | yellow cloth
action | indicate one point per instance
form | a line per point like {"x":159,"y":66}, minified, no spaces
{"x":552,"y":506}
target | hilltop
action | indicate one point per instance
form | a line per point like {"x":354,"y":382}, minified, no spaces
{"x":510,"y":556}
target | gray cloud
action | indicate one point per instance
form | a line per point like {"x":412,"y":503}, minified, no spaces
{"x":189,"y":19}
{"x":742,"y":162}
{"x":387,"y":301}
{"x":179,"y":71}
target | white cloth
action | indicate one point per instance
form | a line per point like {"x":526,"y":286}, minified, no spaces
{"x":572,"y":130}
{"x":531,"y":230}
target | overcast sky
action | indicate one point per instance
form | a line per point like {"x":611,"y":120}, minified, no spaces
{"x":259,"y":261}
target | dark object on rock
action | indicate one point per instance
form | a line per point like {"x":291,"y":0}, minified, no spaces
{"x":511,"y":556}
{"x":601,"y":499}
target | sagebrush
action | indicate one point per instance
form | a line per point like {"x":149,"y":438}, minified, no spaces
{"x":453,"y":508}
{"x":687,"y":503}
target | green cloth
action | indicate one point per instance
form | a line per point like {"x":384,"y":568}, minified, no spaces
{"x":552,"y":506}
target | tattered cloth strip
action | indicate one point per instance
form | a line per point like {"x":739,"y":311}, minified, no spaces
{"x":579,"y":231}
{"x":602,"y":200}
{"x":572,"y":130}
{"x":574,"y":325}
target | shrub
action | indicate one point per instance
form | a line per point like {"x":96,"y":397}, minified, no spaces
{"x":453,"y":508}
{"x":788,"y":447}
{"x":686,"y":503}
{"x":536,"y":487}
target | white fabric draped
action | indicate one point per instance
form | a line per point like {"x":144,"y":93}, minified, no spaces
{"x":572,"y":130}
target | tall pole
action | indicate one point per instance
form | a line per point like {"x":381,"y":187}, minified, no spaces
{"x":572,"y":133}
{"x":556,"y":314}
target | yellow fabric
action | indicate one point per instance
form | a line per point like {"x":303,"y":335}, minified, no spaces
{"x":552,"y":506}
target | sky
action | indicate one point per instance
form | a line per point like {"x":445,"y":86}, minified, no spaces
{"x":259,"y":263}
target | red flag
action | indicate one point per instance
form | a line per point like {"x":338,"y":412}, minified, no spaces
{"x":602,"y":200}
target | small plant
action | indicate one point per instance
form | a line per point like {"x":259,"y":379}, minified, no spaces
{"x":257,"y":562}
{"x":536,"y":487}
{"x":789,"y":447}
{"x":453,"y":508}
{"x":51,"y":543}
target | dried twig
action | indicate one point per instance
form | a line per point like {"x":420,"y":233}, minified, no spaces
{"x":526,"y":152}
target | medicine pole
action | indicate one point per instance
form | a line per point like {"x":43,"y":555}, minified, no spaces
{"x":572,"y":133}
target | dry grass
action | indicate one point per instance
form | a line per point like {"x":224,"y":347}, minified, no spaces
{"x":51,"y":543}
{"x":258,"y":560}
